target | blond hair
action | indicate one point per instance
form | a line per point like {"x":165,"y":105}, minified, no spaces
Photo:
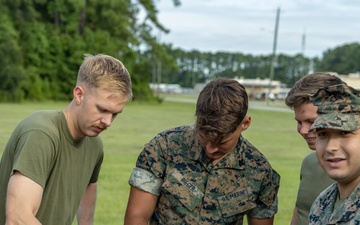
{"x":106,"y":72}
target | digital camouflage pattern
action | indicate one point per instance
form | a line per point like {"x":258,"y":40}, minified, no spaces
{"x":323,"y":210}
{"x":194,"y":191}
{"x":338,"y":108}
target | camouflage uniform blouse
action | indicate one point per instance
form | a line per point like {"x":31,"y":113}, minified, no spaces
{"x":348,"y":211}
{"x":192,"y":190}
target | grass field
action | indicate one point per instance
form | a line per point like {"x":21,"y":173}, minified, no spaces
{"x":274,"y":133}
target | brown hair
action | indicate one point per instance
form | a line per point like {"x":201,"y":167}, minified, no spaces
{"x":107,"y":72}
{"x":309,"y":84}
{"x":220,"y":108}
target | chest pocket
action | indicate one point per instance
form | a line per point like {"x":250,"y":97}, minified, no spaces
{"x":237,"y":202}
{"x":177,"y":189}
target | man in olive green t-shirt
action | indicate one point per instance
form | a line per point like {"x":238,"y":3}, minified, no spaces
{"x":50,"y":166}
{"x":313,"y":178}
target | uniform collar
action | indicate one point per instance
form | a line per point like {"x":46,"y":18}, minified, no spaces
{"x":347,"y":208}
{"x":233,"y":160}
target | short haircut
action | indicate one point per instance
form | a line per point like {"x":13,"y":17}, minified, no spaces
{"x":309,"y":84}
{"x":220,"y":109}
{"x":106,"y":72}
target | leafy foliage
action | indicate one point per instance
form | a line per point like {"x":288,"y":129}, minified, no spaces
{"x":344,"y":59}
{"x":42,"y":44}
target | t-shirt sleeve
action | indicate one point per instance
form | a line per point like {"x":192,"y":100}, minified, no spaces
{"x":95,"y":176}
{"x":34,"y":156}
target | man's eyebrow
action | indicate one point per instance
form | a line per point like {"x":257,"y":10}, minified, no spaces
{"x":108,"y":110}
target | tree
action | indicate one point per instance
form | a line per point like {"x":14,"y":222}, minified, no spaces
{"x":48,"y":39}
{"x":343,"y":59}
{"x":11,"y":70}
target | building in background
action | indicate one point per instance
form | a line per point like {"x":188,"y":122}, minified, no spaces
{"x":352,"y":79}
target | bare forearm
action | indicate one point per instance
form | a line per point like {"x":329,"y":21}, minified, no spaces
{"x":85,"y":218}
{"x":141,"y":206}
{"x":132,"y":220}
{"x":295,"y":214}
{"x":85,"y":213}
{"x":23,"y":220}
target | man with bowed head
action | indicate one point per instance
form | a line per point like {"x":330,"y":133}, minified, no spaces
{"x":51,"y":163}
{"x":337,"y":148}
{"x":207,"y":173}
{"x":313,"y":178}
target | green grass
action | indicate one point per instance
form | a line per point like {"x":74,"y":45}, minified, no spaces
{"x":273,"y":133}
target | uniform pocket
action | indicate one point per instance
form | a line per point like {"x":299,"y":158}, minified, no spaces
{"x":237,"y":202}
{"x":178,"y":189}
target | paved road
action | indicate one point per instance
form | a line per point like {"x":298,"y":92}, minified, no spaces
{"x":252,"y":105}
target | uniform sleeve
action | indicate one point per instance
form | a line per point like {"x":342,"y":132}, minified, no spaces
{"x":150,"y":166}
{"x":145,"y":181}
{"x":34,"y":156}
{"x":268,"y":203}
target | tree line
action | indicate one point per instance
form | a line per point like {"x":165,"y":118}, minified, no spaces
{"x":42,"y":44}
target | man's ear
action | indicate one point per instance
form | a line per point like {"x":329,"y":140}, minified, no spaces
{"x":245,"y":123}
{"x":78,"y":93}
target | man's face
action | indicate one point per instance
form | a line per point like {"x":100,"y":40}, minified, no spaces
{"x":305,"y":115}
{"x":96,"y":112}
{"x":217,"y":151}
{"x":338,"y":153}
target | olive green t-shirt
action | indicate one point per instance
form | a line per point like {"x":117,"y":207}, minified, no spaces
{"x":42,"y":148}
{"x":313,"y":180}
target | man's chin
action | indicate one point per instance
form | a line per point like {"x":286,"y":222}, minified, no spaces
{"x":312,"y":147}
{"x":93,"y":134}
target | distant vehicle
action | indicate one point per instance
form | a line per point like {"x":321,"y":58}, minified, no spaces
{"x":282,"y":93}
{"x":166,"y":88}
{"x":173,"y":89}
{"x":263,"y":95}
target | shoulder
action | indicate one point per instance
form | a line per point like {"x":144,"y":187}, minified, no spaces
{"x":176,"y":134}
{"x":329,"y":194}
{"x":310,"y":165}
{"x":43,"y":119}
{"x":325,"y":200}
{"x":310,"y":161}
{"x":251,"y":153}
{"x":180,"y":130}
{"x":47,"y":122}
{"x":256,"y":161}
{"x":174,"y":141}
{"x":310,"y":158}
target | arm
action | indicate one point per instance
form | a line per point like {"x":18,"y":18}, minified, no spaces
{"x":254,"y":221}
{"x":21,"y":206}
{"x":85,"y":213}
{"x":295,"y":214}
{"x":141,"y":206}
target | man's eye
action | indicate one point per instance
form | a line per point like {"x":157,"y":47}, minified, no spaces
{"x":344,"y":132}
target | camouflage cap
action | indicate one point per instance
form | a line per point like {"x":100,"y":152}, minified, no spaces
{"x":338,"y":108}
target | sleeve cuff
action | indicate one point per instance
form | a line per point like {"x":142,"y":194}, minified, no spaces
{"x":145,"y":181}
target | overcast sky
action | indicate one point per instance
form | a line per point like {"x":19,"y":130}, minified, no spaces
{"x":248,"y":26}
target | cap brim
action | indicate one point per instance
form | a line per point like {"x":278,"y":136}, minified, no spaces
{"x":338,"y":121}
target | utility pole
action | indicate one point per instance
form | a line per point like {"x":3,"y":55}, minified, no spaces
{"x":303,"y":40}
{"x":302,"y":63}
{"x":158,"y":72}
{"x":273,"y":56}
